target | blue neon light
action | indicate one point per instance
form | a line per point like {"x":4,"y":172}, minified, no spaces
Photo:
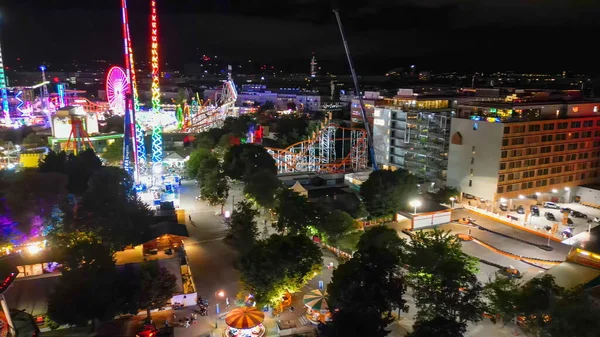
{"x":19,"y":101}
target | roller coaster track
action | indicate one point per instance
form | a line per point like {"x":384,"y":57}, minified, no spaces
{"x":318,"y":153}
{"x":213,"y":116}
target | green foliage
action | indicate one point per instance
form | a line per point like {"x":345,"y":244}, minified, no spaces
{"x":366,"y":290}
{"x":262,"y":186}
{"x":113,"y":153}
{"x":86,"y":289}
{"x":536,"y":300}
{"x":294,"y":212}
{"x":79,"y":170}
{"x":237,"y":126}
{"x":573,"y":315}
{"x":33,"y":140}
{"x":438,"y":327}
{"x":156,"y":287}
{"x":387,"y":192}
{"x":111,"y":209}
{"x":336,"y":223}
{"x":197,"y":159}
{"x":503,"y":296}
{"x":279,"y":264}
{"x":291,"y":129}
{"x":205,"y":140}
{"x":444,"y":194}
{"x":54,"y":162}
{"x":443,"y":278}
{"x":52,"y":325}
{"x":242,"y":161}
{"x":243,"y":230}
{"x":214,"y":188}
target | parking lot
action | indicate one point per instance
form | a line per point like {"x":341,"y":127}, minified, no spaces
{"x":540,"y":222}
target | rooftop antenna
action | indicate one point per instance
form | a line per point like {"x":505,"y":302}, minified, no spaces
{"x":357,"y":88}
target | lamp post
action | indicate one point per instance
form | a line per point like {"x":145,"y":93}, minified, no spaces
{"x":415,"y":204}
{"x":218,"y":294}
{"x":452,"y":201}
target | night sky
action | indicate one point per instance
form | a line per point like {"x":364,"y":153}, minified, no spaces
{"x":479,"y":35}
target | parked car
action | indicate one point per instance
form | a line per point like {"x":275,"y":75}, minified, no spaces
{"x":504,"y":207}
{"x":535,"y":211}
{"x":510,"y":272}
{"x":567,"y":233}
{"x":577,"y":214}
{"x":549,"y":216}
{"x":569,"y":222}
{"x":520,"y":210}
{"x":549,"y":204}
{"x":565,"y":209}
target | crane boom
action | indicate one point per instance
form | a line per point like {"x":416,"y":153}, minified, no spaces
{"x":357,"y":89}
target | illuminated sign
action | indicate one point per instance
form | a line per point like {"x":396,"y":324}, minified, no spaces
{"x":575,"y":109}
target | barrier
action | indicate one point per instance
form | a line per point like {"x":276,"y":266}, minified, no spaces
{"x":511,"y":223}
{"x":514,"y":256}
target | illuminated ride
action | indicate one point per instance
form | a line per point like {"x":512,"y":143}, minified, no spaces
{"x":326,"y":151}
{"x":157,"y":144}
{"x":117,"y":86}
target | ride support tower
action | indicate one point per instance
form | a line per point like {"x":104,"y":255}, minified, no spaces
{"x":157,"y":143}
{"x":132,"y":146}
{"x":4,"y":92}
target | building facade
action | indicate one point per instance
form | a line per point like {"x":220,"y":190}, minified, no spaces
{"x":501,"y":151}
{"x":413,"y":133}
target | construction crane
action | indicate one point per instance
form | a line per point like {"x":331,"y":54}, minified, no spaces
{"x":357,"y":89}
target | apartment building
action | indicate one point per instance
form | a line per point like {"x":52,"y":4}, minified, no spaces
{"x":536,"y":149}
{"x":412,"y":132}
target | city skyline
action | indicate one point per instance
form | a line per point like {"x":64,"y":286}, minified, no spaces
{"x":436,"y":35}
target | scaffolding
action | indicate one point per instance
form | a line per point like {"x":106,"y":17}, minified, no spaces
{"x":319,"y":153}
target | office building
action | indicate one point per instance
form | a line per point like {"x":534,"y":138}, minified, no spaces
{"x":524,"y":147}
{"x":412,"y":132}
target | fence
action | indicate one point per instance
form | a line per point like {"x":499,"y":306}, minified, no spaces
{"x":510,"y":222}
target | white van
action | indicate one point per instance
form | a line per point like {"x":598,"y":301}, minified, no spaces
{"x":549,"y":204}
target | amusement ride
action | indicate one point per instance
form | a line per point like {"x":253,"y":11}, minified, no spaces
{"x":329,"y":149}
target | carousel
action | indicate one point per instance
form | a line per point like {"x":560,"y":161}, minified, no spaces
{"x":244,"y":322}
{"x":318,"y":309}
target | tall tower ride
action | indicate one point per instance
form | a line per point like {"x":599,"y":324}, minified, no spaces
{"x":3,"y":92}
{"x":157,"y":146}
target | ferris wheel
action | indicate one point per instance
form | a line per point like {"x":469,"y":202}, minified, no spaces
{"x":117,"y":86}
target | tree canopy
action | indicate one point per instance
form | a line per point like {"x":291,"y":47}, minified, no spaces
{"x":243,"y":230}
{"x":113,"y":153}
{"x":241,"y":161}
{"x":279,"y":264}
{"x":443,"y":278}
{"x":214,"y":188}
{"x":386,"y":192}
{"x":156,"y":287}
{"x":294,"y":212}
{"x":262,"y":187}
{"x":336,"y":223}
{"x":370,"y":285}
{"x":111,"y":208}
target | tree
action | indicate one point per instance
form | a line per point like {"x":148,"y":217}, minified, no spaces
{"x":291,"y":129}
{"x":33,"y":140}
{"x":241,"y":161}
{"x":573,"y":315}
{"x":370,"y":284}
{"x":156,"y":287}
{"x":336,"y":224}
{"x":444,"y":194}
{"x":111,"y":209}
{"x":242,"y":226}
{"x":54,"y":162}
{"x":503,"y":295}
{"x":262,"y":186}
{"x":294,"y":212}
{"x":197,"y":157}
{"x":386,"y":192}
{"x":438,"y":327}
{"x":279,"y":264}
{"x":443,"y":278}
{"x":88,"y":286}
{"x":237,"y":126}
{"x":204,"y":140}
{"x":214,"y":188}
{"x":114,"y":152}
{"x":537,"y":299}
{"x":80,"y":168}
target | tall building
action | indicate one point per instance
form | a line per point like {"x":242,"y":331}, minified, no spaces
{"x":412,"y":132}
{"x":313,"y":66}
{"x":528,"y":148}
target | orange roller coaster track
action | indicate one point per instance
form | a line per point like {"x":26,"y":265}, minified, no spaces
{"x":321,"y":152}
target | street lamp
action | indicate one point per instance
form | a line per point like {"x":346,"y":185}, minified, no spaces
{"x":452,"y":201}
{"x":554,"y":190}
{"x":218,"y":294}
{"x":415,"y":204}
